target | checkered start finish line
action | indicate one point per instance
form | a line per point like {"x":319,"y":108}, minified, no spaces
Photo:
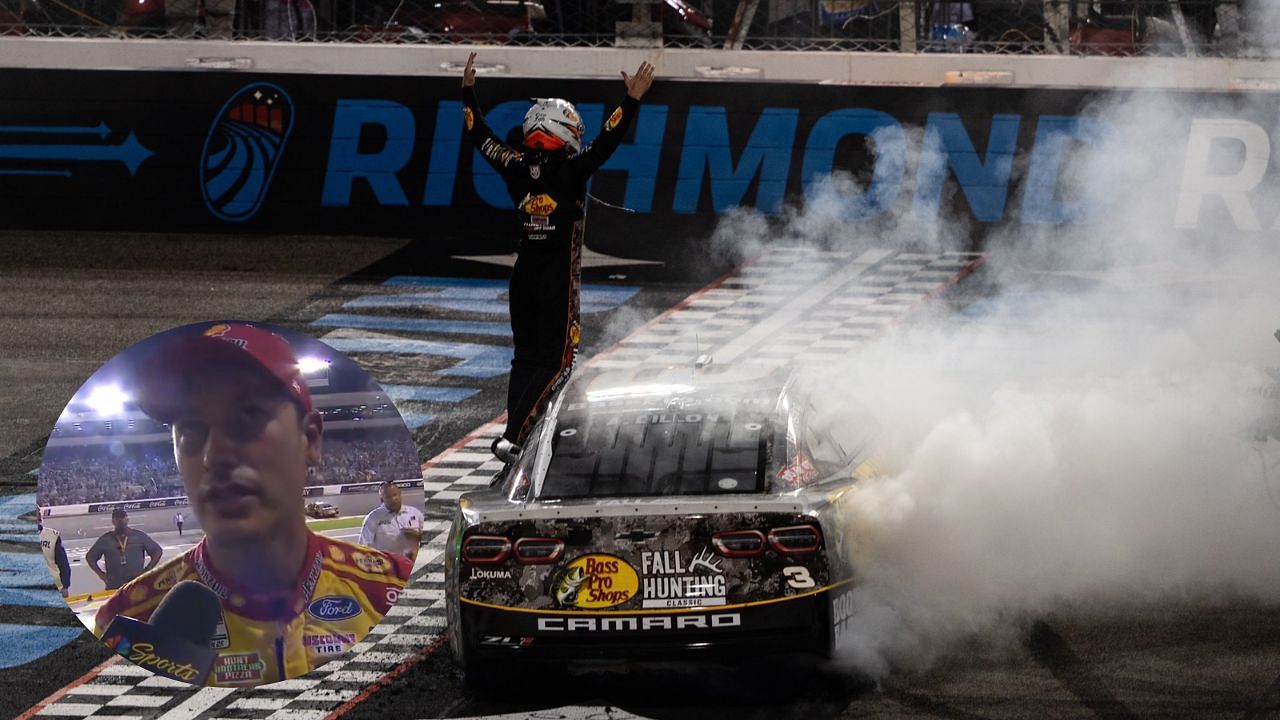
{"x":789,"y":303}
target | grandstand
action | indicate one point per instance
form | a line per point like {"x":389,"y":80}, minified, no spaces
{"x":1221,"y":28}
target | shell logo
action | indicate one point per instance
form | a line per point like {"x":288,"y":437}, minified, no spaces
{"x":469,"y":117}
{"x":594,"y":582}
{"x":540,"y":204}
{"x":217,"y":330}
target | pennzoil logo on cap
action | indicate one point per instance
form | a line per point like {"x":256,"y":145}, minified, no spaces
{"x":220,"y":332}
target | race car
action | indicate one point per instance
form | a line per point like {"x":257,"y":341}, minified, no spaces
{"x":321,"y":509}
{"x":659,"y":512}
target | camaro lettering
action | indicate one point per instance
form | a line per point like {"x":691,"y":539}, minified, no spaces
{"x":645,"y":622}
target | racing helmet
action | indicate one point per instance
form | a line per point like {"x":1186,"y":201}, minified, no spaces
{"x":553,"y":124}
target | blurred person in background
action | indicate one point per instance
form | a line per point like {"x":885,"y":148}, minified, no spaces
{"x":219,"y":17}
{"x":393,"y":526}
{"x":55,"y":556}
{"x":289,"y":20}
{"x":123,"y":551}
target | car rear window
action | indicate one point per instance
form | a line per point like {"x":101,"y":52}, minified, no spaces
{"x":636,"y":454}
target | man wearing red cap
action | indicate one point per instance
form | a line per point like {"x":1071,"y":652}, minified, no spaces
{"x":244,"y":434}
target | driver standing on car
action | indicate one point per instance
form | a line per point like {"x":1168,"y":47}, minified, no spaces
{"x":547,"y":181}
{"x":244,"y":434}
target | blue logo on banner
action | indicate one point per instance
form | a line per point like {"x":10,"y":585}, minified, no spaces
{"x":243,"y":149}
{"x":334,"y":607}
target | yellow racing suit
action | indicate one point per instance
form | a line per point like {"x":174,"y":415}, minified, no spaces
{"x":342,"y":591}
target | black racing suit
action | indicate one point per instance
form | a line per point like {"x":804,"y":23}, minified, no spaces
{"x":549,"y":191}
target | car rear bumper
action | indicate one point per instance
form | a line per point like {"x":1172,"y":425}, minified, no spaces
{"x":786,"y":625}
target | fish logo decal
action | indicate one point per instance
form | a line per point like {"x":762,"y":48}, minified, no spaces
{"x":568,"y":585}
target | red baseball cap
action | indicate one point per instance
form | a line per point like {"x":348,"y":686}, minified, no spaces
{"x":163,"y":374}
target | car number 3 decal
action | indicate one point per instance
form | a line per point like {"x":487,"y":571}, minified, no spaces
{"x":798,"y":577}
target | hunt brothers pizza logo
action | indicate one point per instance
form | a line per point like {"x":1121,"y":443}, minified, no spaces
{"x":238,"y":668}
{"x":593,"y":582}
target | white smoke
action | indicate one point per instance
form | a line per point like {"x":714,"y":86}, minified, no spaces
{"x":1262,"y":24}
{"x":1087,"y":441}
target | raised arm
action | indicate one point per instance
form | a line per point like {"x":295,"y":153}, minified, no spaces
{"x":501,"y":156}
{"x":619,"y":121}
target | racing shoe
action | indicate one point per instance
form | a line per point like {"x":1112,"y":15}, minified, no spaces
{"x":505,"y":450}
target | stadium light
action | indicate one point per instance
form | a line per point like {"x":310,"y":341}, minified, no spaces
{"x":108,"y":400}
{"x":311,"y":365}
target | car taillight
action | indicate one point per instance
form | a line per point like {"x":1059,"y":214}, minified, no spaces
{"x":533,"y":551}
{"x":795,"y":539}
{"x":485,"y":549}
{"x":738,"y":543}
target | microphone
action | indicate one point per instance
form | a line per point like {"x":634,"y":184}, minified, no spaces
{"x":175,"y":644}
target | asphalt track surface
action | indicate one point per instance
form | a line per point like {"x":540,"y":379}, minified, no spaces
{"x":68,"y":303}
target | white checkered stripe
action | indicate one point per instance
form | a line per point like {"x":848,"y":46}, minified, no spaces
{"x":469,"y":467}
{"x":124,"y":690}
{"x":793,"y":303}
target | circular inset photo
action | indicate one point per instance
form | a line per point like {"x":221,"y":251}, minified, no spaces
{"x":230,"y":504}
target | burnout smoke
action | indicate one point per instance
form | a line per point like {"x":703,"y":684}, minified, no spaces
{"x":1085,"y":439}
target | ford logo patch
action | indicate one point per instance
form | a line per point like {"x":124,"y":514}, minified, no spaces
{"x":334,"y":607}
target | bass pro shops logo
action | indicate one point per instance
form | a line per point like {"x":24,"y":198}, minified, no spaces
{"x":593,"y":582}
{"x":243,"y":150}
{"x":541,"y":204}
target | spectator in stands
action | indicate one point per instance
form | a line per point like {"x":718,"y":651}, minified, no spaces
{"x":289,"y":20}
{"x":244,"y":433}
{"x":393,"y":526}
{"x":219,"y":17}
{"x":123,"y":550}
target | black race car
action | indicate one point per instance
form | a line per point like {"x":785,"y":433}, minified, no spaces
{"x":658,"y":512}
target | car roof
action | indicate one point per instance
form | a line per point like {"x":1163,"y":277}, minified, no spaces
{"x":666,"y":431}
